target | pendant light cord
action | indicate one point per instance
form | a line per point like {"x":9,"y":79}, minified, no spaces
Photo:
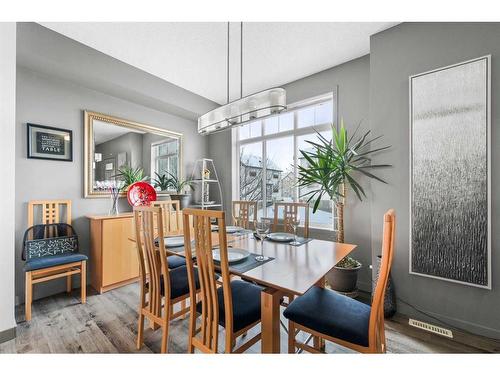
{"x":227,"y":63}
{"x":241,"y":60}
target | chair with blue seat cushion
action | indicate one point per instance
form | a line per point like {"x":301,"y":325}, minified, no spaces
{"x":175,"y":261}
{"x":235,"y":305}
{"x":327,"y":315}
{"x":246,"y":304}
{"x":172,"y":225}
{"x":160,"y":287}
{"x":178,"y":282}
{"x":50,"y":248}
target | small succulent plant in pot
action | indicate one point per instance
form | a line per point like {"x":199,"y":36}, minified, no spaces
{"x":169,"y":182}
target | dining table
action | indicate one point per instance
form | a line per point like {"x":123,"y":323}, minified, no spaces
{"x":290,"y":271}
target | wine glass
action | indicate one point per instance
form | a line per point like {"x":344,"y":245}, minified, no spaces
{"x":294,"y":223}
{"x":262,"y":228}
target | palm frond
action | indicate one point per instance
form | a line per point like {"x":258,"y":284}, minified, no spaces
{"x":330,"y":164}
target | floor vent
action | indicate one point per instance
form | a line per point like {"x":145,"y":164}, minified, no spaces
{"x":431,"y":328}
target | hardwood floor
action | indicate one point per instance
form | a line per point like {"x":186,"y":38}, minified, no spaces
{"x":108,"y":324}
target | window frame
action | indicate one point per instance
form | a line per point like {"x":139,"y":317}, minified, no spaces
{"x":155,"y":158}
{"x":295,"y":133}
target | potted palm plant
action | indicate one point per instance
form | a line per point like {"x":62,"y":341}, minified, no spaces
{"x":170,"y":182}
{"x":333,"y":166}
{"x":130,"y":175}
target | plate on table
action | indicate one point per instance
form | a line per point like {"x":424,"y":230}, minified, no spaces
{"x":177,"y":241}
{"x":280,"y":237}
{"x":233,"y":255}
{"x":229,"y":229}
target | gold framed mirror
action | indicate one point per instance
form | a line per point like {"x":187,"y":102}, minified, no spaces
{"x":113,"y":145}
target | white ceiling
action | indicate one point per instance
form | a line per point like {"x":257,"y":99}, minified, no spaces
{"x":193,"y":55}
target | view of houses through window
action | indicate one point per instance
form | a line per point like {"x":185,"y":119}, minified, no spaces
{"x":277,"y":141}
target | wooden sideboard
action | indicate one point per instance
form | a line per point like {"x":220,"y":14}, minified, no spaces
{"x":114,"y":261}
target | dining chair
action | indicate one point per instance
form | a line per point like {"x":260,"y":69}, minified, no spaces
{"x":172,"y":226}
{"x":46,"y":265}
{"x":235,"y":305}
{"x":160,"y":287}
{"x":327,"y":315}
{"x":290,"y":212}
{"x":244,"y":213}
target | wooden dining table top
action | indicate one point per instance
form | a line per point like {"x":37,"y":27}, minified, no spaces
{"x":294,"y":269}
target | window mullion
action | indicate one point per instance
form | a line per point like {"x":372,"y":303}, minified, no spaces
{"x":264,"y":178}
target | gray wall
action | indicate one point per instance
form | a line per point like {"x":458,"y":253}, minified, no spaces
{"x":397,"y":53}
{"x":353,"y":80}
{"x":51,"y":101}
{"x":7,"y":188}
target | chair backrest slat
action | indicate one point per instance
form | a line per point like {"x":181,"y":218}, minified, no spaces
{"x":206,"y":272}
{"x":244,"y":213}
{"x":172,"y":221}
{"x":51,"y":212}
{"x":153,"y":264}
{"x":290,"y":212}
{"x":377,"y":310}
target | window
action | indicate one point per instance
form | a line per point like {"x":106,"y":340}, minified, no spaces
{"x":164,"y":158}
{"x":277,"y":141}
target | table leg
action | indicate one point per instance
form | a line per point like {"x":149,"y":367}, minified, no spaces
{"x":270,"y":320}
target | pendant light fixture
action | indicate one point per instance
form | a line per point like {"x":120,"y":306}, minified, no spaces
{"x":244,"y":109}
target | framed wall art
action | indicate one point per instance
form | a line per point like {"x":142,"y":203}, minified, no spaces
{"x":46,"y":142}
{"x":450,"y":173}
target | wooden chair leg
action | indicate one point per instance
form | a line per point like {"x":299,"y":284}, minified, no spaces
{"x":164,"y":338}
{"x":140,"y":331}
{"x":291,"y":337}
{"x":183,"y":306}
{"x":229,"y":345}
{"x":68,"y":284}
{"x":28,"y":296}
{"x":83,"y":283}
{"x":192,"y":327}
{"x":317,"y":343}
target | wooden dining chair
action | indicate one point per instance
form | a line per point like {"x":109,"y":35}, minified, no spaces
{"x":160,"y":287}
{"x":328,"y":315}
{"x":50,"y":267}
{"x":172,"y":226}
{"x":235,"y":305}
{"x":290,"y":212}
{"x":244,"y":213}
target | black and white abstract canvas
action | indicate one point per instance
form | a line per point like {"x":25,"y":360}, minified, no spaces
{"x":450,"y":183}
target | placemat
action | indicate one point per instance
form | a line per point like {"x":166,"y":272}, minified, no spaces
{"x":301,"y":240}
{"x":248,"y":264}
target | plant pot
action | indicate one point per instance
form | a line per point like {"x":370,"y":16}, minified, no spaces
{"x":343,"y":280}
{"x":390,"y":306}
{"x":183,"y":199}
